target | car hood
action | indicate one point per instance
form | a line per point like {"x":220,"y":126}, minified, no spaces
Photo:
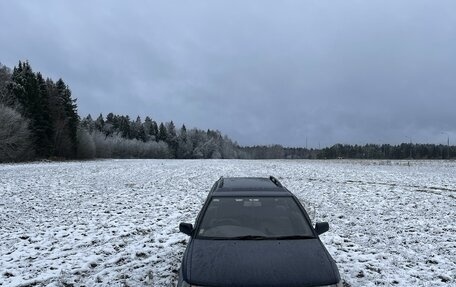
{"x":258,"y":263}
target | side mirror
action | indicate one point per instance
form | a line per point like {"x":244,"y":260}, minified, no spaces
{"x":186,"y":228}
{"x":321,"y":227}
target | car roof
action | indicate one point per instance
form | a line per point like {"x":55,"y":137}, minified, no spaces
{"x":249,"y":186}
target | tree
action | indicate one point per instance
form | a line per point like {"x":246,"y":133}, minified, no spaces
{"x":88,"y":124}
{"x":154,"y":131}
{"x":6,"y":86}
{"x":185,"y":148}
{"x":66,"y":120}
{"x":15,"y":136}
{"x":43,"y":123}
{"x":198,"y":139}
{"x":30,"y":92}
{"x":24,"y":89}
{"x":86,"y":144}
{"x":147,"y":127}
{"x":73,"y":119}
{"x":228,"y":148}
{"x":172,"y":139}
{"x":99,"y":123}
{"x":138,"y":131}
{"x":162,"y":133}
{"x":110,"y":124}
{"x":142,"y":134}
{"x":124,"y":127}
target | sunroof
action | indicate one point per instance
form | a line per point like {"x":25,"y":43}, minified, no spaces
{"x":248,"y":183}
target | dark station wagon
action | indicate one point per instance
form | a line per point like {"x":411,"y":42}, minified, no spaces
{"x":255,"y":232}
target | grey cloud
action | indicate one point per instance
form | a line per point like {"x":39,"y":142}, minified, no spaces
{"x":263,"y":72}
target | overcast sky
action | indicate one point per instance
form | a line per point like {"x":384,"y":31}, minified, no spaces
{"x":262,"y":72}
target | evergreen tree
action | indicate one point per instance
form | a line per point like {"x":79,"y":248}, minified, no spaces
{"x":147,"y":127}
{"x":172,"y":138}
{"x":88,"y":123}
{"x":44,"y":128}
{"x":140,"y":131}
{"x":137,"y":130}
{"x":162,"y":133}
{"x":31,"y":93}
{"x":99,"y":123}
{"x":73,"y":119}
{"x":19,"y":90}
{"x":109,"y":125}
{"x":124,"y":127}
{"x":66,"y":121}
{"x":6,"y":86}
{"x":110,"y":118}
{"x":154,"y":130}
{"x":185,"y":148}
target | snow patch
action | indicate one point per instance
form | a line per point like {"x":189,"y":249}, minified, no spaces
{"x":115,"y":222}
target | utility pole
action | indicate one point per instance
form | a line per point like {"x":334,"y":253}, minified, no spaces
{"x":411,"y":146}
{"x":448,"y":144}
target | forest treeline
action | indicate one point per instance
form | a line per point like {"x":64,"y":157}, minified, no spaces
{"x":117,"y":136}
{"x":38,"y":117}
{"x":39,"y":120}
{"x":386,"y":151}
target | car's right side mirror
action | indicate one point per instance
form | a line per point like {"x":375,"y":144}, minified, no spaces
{"x":186,"y":228}
{"x":321,"y":227}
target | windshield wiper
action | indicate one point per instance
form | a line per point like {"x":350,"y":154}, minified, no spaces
{"x":260,"y":237}
{"x":249,"y":237}
{"x":285,"y":237}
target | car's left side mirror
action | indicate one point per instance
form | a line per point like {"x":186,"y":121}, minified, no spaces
{"x":321,"y":227}
{"x":186,"y":228}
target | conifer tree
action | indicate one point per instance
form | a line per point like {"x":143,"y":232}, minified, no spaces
{"x":162,"y":133}
{"x":140,"y":133}
{"x":185,"y":147}
{"x":135,"y":128}
{"x":109,"y":125}
{"x":99,"y":123}
{"x":73,"y":119}
{"x":88,"y":123}
{"x":26,"y":89}
{"x":6,"y":96}
{"x":183,"y":133}
{"x":124,"y":127}
{"x":31,"y":93}
{"x":154,"y":131}
{"x":44,"y":128}
{"x":147,"y":126}
{"x":172,"y":138}
{"x":66,"y":121}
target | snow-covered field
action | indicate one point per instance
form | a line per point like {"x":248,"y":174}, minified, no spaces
{"x":115,"y":222}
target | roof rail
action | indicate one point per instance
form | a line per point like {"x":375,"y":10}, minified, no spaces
{"x":275,"y":181}
{"x":220,"y":184}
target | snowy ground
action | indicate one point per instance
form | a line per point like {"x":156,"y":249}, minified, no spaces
{"x":115,"y":222}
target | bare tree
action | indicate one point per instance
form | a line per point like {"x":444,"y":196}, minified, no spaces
{"x":116,"y":146}
{"x":15,"y":137}
{"x":86,"y":144}
{"x":6,"y":87}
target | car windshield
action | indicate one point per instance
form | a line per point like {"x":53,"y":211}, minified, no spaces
{"x":254,"y":218}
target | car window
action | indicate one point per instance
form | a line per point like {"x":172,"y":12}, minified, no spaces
{"x":268,"y":217}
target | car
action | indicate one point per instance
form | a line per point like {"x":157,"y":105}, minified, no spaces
{"x":253,"y":231}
